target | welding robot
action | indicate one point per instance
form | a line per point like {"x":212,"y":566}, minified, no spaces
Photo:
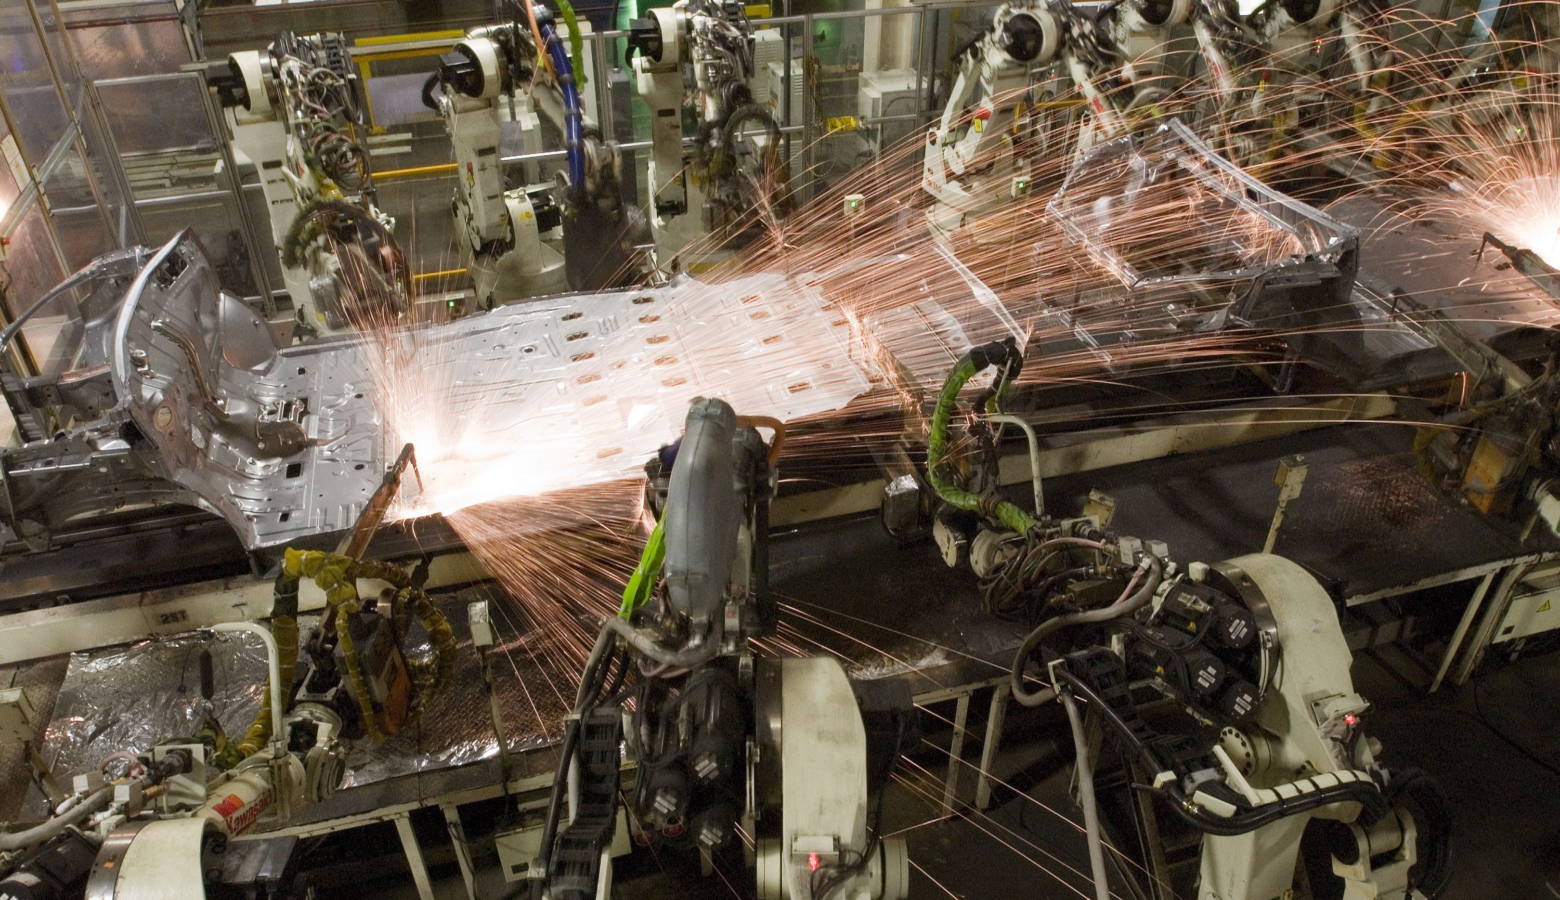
{"x":976,"y":162}
{"x":972,"y":166}
{"x":734,"y":167}
{"x":295,"y":112}
{"x":787,"y":752}
{"x":1507,"y":77}
{"x":1291,"y":34}
{"x":155,"y":822}
{"x":1119,"y":61}
{"x":504,"y":230}
{"x":1292,"y":40}
{"x":1221,"y":690}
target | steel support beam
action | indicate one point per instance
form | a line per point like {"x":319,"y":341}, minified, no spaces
{"x":995,"y":720}
{"x":414,"y":857}
{"x":462,"y":848}
{"x":961,"y":715}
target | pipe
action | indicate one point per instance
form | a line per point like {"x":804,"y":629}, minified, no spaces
{"x":273,"y":664}
{"x":1091,"y":813}
{"x":435,"y":169}
{"x":284,"y":629}
{"x":19,"y":840}
{"x":442,"y":273}
{"x":1034,"y":455}
{"x":82,"y":277}
{"x":1463,"y":624}
{"x":677,"y":659}
{"x":1497,"y":603}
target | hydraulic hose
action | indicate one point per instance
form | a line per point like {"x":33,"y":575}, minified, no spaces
{"x":1006,"y":354}
{"x":1132,"y":598}
{"x":1364,"y":793}
{"x":1431,"y":811}
{"x":20,"y":840}
{"x":573,"y":119}
{"x":1091,"y":812}
{"x":641,"y":584}
{"x":732,"y":128}
{"x":583,"y":695}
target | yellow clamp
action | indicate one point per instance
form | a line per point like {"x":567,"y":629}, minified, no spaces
{"x":840,"y":123}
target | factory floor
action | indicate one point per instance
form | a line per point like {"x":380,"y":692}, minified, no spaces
{"x":1364,"y":523}
{"x":1493,"y":745}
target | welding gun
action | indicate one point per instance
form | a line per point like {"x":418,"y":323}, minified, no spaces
{"x":1527,"y":262}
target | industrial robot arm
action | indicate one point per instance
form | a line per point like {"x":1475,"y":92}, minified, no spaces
{"x":1224,"y":42}
{"x":970,"y":166}
{"x":1290,"y":35}
{"x":1249,"y":652}
{"x":734,"y":167}
{"x":294,"y":112}
{"x":156,"y":822}
{"x":1139,"y":32}
{"x":504,"y":228}
{"x":1118,"y":61}
{"x":713,"y":758}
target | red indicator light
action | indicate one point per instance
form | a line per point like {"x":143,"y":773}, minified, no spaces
{"x":812,"y":862}
{"x":1350,"y":719}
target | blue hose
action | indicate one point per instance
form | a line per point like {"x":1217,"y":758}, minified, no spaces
{"x":573,"y":121}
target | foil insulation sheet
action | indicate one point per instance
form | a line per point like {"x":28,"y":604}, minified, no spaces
{"x":134,"y":697}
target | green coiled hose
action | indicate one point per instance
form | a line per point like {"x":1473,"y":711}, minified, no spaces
{"x":1006,"y":354}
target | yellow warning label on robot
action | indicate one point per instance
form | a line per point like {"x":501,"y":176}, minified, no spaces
{"x":1545,"y":607}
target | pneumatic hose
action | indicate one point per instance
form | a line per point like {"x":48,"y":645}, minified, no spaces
{"x":573,"y":118}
